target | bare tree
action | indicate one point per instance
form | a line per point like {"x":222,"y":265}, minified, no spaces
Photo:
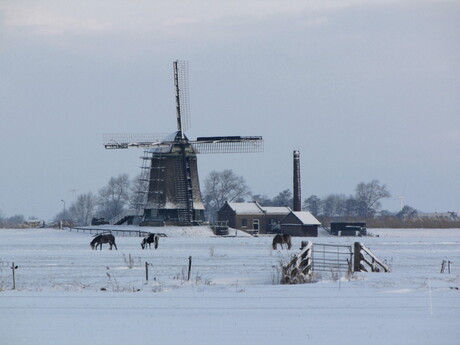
{"x":262,"y":199}
{"x":334,"y":205}
{"x":114,"y":196}
{"x":352,"y":207}
{"x":368,"y":195}
{"x":313,"y":204}
{"x":138,"y":191}
{"x":407,"y":213}
{"x":83,"y":209}
{"x":220,"y":187}
{"x":283,"y":198}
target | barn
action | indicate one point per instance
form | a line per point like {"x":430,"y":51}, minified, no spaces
{"x":300,"y":223}
{"x":252,"y":217}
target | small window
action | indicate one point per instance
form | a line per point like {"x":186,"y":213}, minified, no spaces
{"x":244,"y":223}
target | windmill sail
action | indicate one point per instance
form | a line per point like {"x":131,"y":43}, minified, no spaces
{"x":138,"y":140}
{"x":229,"y":144}
{"x":182,"y":99}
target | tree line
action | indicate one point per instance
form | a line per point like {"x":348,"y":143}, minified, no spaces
{"x":227,"y":186}
{"x":364,"y":205}
{"x":12,"y":221}
{"x":112,"y":199}
{"x":121,"y":193}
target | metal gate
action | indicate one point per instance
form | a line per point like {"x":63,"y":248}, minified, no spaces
{"x":332,"y":258}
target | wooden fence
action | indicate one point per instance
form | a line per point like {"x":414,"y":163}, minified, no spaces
{"x":366,"y":261}
{"x":299,"y":269}
{"x":330,"y":258}
{"x":116,"y":232}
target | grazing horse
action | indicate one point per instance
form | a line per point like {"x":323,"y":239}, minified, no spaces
{"x":151,"y":238}
{"x":103,"y":238}
{"x":282,"y":239}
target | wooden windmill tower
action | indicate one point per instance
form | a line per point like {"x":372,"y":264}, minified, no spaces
{"x":173,"y":196}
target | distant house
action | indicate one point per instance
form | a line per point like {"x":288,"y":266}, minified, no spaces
{"x":34,"y":223}
{"x":252,"y":217}
{"x":300,"y":223}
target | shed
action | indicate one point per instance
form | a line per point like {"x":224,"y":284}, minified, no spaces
{"x":348,"y":228}
{"x":252,"y":217}
{"x":300,"y":223}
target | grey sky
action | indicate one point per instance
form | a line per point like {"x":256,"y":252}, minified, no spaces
{"x":364,"y":89}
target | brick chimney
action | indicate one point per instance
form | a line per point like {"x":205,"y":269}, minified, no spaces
{"x":297,"y":192}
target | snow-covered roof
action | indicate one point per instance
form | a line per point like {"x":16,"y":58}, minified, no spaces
{"x":276,"y":209}
{"x":306,"y":217}
{"x":246,"y":207}
{"x":255,"y":208}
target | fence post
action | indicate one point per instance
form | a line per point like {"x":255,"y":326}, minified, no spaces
{"x":13,"y":267}
{"x":189,"y":267}
{"x":146,"y":271}
{"x":357,"y":257}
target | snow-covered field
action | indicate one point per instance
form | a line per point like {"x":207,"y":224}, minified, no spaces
{"x":68,"y":294}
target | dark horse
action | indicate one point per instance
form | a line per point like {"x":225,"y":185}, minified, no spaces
{"x":151,"y":238}
{"x":282,"y":239}
{"x":103,"y":238}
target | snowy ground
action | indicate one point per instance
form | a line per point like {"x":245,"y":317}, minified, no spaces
{"x":68,"y":294}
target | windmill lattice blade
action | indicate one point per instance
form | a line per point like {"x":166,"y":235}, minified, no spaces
{"x":231,"y":144}
{"x":184,"y":103}
{"x":136,"y":140}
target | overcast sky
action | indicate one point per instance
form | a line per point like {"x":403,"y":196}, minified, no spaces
{"x":364,"y":89}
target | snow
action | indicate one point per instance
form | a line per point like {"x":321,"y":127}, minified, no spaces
{"x":68,"y":294}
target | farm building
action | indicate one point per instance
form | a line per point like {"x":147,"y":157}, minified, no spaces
{"x":252,"y":217}
{"x":348,"y":228}
{"x":300,"y":223}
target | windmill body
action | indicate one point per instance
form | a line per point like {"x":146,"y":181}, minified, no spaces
{"x":173,"y":195}
{"x":170,"y":172}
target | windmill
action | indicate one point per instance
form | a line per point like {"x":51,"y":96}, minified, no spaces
{"x":170,"y":170}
